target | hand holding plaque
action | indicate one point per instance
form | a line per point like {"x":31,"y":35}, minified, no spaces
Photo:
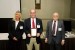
{"x":38,"y":34}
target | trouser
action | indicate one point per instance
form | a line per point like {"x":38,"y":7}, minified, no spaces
{"x":54,"y":45}
{"x":14,"y":45}
{"x":33,"y":42}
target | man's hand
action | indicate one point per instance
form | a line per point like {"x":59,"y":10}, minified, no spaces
{"x":15,"y":38}
{"x":62,"y":42}
{"x":46,"y":40}
{"x":38,"y":34}
{"x":28,"y":35}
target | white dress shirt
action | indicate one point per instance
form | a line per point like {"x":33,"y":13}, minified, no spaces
{"x":55,"y":27}
{"x":16,"y":23}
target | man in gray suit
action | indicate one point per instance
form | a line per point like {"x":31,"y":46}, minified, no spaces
{"x":55,"y":35}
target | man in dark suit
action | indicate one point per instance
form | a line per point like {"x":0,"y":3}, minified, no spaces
{"x":15,"y":32}
{"x":55,"y":35}
{"x":33,"y":29}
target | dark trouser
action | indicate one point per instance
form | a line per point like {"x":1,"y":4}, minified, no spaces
{"x":54,"y":45}
{"x":14,"y":45}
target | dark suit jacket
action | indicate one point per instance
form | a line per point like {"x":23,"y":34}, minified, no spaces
{"x":60,"y":35}
{"x":15,"y":32}
{"x":27,"y":29}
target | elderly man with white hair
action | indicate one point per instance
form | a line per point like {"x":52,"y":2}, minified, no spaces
{"x":55,"y":35}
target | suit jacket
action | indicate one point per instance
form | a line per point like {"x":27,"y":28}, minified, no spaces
{"x":60,"y":35}
{"x":27,"y":29}
{"x":15,"y":32}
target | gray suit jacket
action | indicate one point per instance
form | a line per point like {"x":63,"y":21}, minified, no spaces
{"x":60,"y":35}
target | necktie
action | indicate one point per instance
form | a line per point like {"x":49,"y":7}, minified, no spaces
{"x":33,"y":24}
{"x":54,"y":26}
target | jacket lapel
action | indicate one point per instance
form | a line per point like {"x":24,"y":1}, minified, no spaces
{"x":37,"y":22}
{"x":29,"y":21}
{"x":58,"y":26}
{"x":13,"y":24}
{"x":51,"y":24}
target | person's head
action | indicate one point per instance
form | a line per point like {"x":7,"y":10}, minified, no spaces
{"x":55,"y":16}
{"x":32,"y":13}
{"x":17,"y":15}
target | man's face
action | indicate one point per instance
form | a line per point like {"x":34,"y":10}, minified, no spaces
{"x":55,"y":16}
{"x":32,"y":13}
{"x":17,"y":16}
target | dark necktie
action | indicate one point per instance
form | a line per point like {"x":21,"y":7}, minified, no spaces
{"x":33,"y":24}
{"x":54,"y":26}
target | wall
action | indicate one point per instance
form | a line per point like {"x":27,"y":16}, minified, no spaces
{"x":47,"y":8}
{"x":72,"y":14}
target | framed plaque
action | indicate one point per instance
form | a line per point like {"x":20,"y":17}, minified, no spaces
{"x":33,"y":32}
{"x":37,"y":4}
